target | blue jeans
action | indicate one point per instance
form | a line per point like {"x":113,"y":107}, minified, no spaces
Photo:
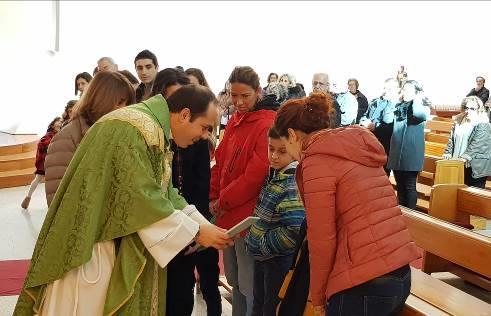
{"x":239,"y":270}
{"x":268,"y":278}
{"x":406,"y":188}
{"x":382,"y":296}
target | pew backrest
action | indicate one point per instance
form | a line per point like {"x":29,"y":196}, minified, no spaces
{"x":449,"y":172}
{"x":435,"y":149}
{"x":474,"y":201}
{"x":436,"y":138}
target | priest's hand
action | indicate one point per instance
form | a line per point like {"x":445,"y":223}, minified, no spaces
{"x":210,"y":235}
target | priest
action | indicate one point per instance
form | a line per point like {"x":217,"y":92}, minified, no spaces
{"x":116,"y":220}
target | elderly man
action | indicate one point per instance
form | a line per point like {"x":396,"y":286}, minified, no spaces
{"x":345,"y":103}
{"x":106,"y":64}
{"x":480,"y":90}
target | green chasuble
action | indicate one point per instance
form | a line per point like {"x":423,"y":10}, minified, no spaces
{"x":118,"y":182}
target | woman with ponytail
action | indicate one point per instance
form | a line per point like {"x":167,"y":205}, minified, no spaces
{"x":237,"y":177}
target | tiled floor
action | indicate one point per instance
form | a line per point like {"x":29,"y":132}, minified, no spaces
{"x":19,"y":230}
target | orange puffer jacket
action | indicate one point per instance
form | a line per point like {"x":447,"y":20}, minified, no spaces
{"x":356,"y":231}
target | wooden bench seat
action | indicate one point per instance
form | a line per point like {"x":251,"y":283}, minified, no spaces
{"x":456,"y":203}
{"x":449,"y":247}
{"x":430,"y":296}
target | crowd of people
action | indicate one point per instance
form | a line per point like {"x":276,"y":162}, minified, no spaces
{"x":135,"y":209}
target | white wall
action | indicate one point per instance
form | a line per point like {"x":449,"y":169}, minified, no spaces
{"x":443,"y":45}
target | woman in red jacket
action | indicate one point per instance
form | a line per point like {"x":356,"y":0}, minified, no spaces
{"x":360,"y":248}
{"x":236,"y":179}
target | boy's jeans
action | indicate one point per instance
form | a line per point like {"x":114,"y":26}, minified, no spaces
{"x":268,"y":278}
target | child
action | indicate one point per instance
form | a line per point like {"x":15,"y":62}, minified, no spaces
{"x":271,"y":240}
{"x":67,"y":114}
{"x":53,"y":128}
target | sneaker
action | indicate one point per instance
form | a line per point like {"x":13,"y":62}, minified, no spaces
{"x":25,"y":203}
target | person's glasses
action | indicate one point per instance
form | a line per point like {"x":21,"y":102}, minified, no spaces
{"x":466,"y":108}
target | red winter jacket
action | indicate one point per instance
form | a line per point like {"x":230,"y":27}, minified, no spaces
{"x":355,"y":228}
{"x":241,"y":165}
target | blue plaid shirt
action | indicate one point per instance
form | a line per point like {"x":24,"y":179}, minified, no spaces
{"x":281,"y":214}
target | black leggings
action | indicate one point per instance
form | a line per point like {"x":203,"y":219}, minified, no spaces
{"x":474,"y":182}
{"x":406,"y":188}
{"x":181,"y":280}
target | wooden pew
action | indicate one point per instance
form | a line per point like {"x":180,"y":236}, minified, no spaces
{"x":436,"y":138}
{"x":430,"y":296}
{"x":449,"y":247}
{"x":442,"y":119}
{"x":435,"y":171}
{"x":447,"y":113}
{"x":435,"y":149}
{"x":446,"y":110}
{"x":469,"y":204}
{"x":456,"y":202}
{"x":439,"y":127}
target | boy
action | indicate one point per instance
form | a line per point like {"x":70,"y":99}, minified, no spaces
{"x":271,"y":240}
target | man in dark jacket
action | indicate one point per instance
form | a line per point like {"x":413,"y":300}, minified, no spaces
{"x":320,"y":83}
{"x":146,"y":66}
{"x":362,"y":100}
{"x":480,"y":90}
{"x":191,"y":177}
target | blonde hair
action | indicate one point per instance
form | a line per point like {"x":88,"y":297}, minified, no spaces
{"x":482,"y":111}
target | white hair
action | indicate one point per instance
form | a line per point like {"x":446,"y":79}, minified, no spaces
{"x":292,"y":81}
{"x":109,"y":59}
